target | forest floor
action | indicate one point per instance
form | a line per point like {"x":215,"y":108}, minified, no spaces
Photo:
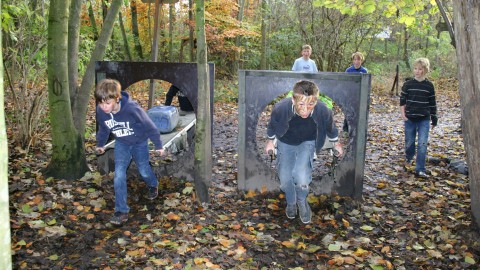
{"x":402,"y":222}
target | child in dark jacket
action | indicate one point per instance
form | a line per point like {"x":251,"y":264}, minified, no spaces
{"x":418,"y":107}
{"x":132,"y":127}
{"x":300,"y":124}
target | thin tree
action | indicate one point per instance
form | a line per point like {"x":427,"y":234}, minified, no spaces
{"x":203,"y":131}
{"x":124,"y":36}
{"x":263,"y":50}
{"x":68,"y":115}
{"x":135,"y":32}
{"x":466,"y":17}
{"x":190,"y":32}
{"x":171,"y":20}
{"x":5,"y":246}
{"x":68,"y":159}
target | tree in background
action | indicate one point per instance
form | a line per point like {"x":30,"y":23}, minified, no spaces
{"x":68,"y":107}
{"x":203,"y":128}
{"x":5,"y":239}
{"x":467,"y":22}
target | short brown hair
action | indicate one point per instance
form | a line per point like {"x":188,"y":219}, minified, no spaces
{"x":306,"y":88}
{"x":306,"y":46}
{"x":424,"y":62}
{"x":108,"y":89}
{"x":359,"y":55}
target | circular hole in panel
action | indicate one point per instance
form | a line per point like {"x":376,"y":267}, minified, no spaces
{"x":322,"y":163}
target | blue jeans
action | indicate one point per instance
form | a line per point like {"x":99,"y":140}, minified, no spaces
{"x":294,"y":163}
{"x":123,"y":156}
{"x":411,"y":129}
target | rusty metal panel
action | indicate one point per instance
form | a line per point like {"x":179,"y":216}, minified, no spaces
{"x":349,"y":91}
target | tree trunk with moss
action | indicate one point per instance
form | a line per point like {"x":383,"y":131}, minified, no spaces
{"x":203,"y":129}
{"x":68,"y":159}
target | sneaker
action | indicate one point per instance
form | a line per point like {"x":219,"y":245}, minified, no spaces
{"x":422,"y":175}
{"x":119,"y":218}
{"x":304,"y":212}
{"x":152,"y":193}
{"x":408,"y":164}
{"x":291,"y":211}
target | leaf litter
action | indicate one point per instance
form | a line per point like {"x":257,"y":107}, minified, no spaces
{"x":402,"y":223}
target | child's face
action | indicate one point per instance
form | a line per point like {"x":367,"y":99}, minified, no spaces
{"x":304,"y":105}
{"x":419,"y":72}
{"x":357,"y":62}
{"x":107,"y":106}
{"x":306,"y":53}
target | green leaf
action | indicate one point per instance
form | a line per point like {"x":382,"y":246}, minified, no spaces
{"x":312,"y":248}
{"x":187,"y":190}
{"x":366,"y":228}
{"x":376,"y":267}
{"x":144,"y":226}
{"x":469,"y":260}
{"x":21,"y":243}
{"x":333,"y":247}
{"x":26,"y":208}
{"x":53,"y":257}
{"x":52,"y":222}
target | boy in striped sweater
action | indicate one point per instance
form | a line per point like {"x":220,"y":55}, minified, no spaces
{"x":418,"y":107}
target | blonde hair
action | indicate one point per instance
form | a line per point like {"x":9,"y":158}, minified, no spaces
{"x":359,"y":55}
{"x":424,"y":62}
{"x":108,"y":89}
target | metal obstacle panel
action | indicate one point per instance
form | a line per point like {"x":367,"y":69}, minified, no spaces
{"x":182,"y":75}
{"x":351,"y":92}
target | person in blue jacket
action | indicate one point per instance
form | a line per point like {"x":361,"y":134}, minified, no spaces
{"x":300,"y":124}
{"x":357,"y":61}
{"x":117,"y":114}
{"x":356,"y":67}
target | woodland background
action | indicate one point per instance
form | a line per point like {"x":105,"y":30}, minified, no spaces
{"x":244,"y":34}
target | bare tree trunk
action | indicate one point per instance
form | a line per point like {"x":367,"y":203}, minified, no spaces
{"x":238,"y":39}
{"x":68,"y":159}
{"x":124,"y":36}
{"x":73,"y":45}
{"x":5,"y":238}
{"x":192,"y":41}
{"x":203,"y":129}
{"x":263,"y":50}
{"x":170,"y":31}
{"x":135,"y":32}
{"x":405,"y":48}
{"x":91,"y":16}
{"x":79,"y":108}
{"x":467,"y":21}
{"x":447,"y":21}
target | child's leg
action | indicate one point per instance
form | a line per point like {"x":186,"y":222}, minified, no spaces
{"x":423,"y":130}
{"x":410,"y":137}
{"x":141,"y":157}
{"x":123,"y":157}
{"x":302,"y":172}
{"x":285,"y":164}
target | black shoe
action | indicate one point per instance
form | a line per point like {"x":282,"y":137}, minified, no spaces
{"x":119,"y":218}
{"x":152,"y":193}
